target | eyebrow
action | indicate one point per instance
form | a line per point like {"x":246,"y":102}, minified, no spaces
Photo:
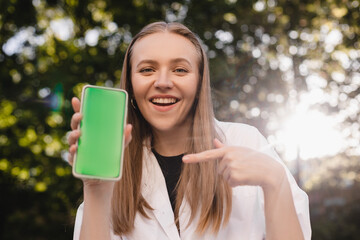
{"x":175,"y":60}
{"x":146,"y":61}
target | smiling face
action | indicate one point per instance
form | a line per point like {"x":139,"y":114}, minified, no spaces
{"x":164,"y":77}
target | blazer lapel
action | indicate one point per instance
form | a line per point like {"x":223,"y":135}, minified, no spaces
{"x":155,"y":193}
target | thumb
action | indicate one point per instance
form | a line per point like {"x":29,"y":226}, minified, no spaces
{"x":218,"y":144}
{"x":128,"y":135}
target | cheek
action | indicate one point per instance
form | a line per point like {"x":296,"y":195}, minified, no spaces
{"x":138,"y":86}
{"x":193,"y":88}
{"x":192,"y":93}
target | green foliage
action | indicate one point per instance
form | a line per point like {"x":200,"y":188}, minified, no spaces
{"x":47,"y":55}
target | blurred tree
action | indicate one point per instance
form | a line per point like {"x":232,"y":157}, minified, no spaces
{"x":333,"y":185}
{"x":263,"y":56}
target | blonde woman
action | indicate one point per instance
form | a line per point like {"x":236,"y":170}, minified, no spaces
{"x":186,"y":175}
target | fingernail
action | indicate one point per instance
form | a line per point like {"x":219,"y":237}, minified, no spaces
{"x":185,"y":158}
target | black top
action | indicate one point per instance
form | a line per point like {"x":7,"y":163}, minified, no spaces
{"x":171,"y":168}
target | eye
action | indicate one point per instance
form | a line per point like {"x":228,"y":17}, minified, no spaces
{"x":146,"y":70}
{"x":181,"y":70}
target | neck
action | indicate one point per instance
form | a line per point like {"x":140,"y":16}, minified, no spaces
{"x":172,"y":142}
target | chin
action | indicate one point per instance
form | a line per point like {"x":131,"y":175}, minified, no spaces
{"x":165,"y":125}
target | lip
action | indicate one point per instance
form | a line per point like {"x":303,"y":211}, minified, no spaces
{"x":164,"y":108}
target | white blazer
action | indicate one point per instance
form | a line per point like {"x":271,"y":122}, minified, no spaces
{"x":247,"y":220}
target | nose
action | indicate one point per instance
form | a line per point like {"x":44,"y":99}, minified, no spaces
{"x":163,"y":81}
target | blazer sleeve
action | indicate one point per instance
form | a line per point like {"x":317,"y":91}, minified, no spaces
{"x":301,"y":200}
{"x":78,"y":222}
{"x":249,"y":136}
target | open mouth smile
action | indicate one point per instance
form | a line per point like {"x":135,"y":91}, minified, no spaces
{"x":164,"y":101}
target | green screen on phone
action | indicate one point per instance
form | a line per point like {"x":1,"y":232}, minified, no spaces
{"x":100,"y":146}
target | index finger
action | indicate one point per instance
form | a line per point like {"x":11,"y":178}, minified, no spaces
{"x":75,"y":104}
{"x":205,"y":156}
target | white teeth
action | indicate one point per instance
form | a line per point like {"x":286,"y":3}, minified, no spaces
{"x":163,"y":100}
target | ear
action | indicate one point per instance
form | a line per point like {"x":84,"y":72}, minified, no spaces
{"x":133,"y":103}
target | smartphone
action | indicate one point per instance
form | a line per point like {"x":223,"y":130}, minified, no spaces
{"x":101,"y":145}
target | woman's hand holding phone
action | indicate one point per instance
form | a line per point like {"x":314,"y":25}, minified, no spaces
{"x":75,"y":134}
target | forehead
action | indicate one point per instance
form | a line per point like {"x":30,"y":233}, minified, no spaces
{"x":162,"y":46}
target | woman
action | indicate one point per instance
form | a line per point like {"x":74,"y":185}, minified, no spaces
{"x":228,"y":185}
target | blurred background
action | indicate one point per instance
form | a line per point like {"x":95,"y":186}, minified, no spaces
{"x":290,"y":68}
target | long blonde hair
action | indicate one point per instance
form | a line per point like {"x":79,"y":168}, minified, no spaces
{"x":207,"y":194}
